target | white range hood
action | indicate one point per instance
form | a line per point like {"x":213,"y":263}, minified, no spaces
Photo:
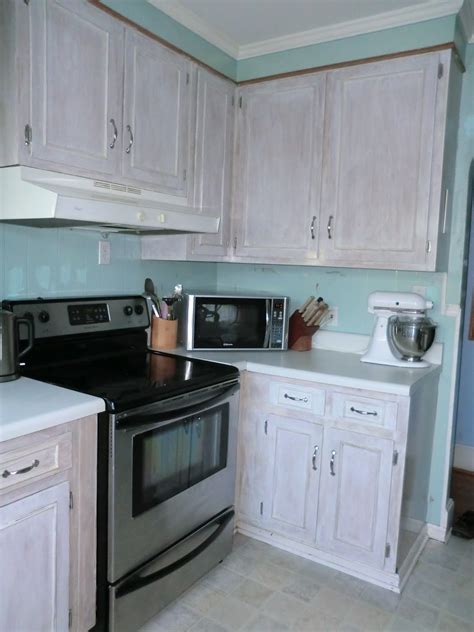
{"x":33,"y":197}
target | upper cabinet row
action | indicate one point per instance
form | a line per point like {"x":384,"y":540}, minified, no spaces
{"x":344,"y":167}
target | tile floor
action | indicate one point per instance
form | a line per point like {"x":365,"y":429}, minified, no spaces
{"x":259,"y":588}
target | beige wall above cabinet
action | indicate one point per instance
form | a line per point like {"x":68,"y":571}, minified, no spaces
{"x":278,"y":169}
{"x":76,"y":69}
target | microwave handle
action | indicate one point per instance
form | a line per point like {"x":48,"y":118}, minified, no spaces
{"x":268,"y":323}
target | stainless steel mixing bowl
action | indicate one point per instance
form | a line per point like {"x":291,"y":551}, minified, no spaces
{"x":410,"y":336}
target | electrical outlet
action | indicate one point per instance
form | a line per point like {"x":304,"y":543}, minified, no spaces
{"x":333,"y":314}
{"x":104,"y":252}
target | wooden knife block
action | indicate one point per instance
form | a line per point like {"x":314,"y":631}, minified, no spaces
{"x":299,"y":334}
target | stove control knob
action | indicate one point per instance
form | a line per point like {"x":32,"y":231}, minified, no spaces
{"x":138,"y":309}
{"x":43,"y":316}
{"x":128,"y":310}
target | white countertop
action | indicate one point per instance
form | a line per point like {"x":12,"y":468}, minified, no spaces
{"x":27,"y":406}
{"x":319,"y":365}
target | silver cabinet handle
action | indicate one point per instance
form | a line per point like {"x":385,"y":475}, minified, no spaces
{"x":363,"y":412}
{"x":28,"y":135}
{"x":311,"y":228}
{"x":331,"y":463}
{"x":313,"y":458}
{"x":330,"y":227}
{"x":130,"y":142}
{"x":296,"y":399}
{"x":24,"y":470}
{"x":114,"y":139}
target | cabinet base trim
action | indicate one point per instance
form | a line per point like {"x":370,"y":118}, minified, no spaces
{"x":390,"y":581}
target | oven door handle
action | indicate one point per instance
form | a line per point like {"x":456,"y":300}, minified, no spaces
{"x":151,"y":420}
{"x":138,"y":581}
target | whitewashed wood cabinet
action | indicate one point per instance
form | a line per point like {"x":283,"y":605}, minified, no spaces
{"x":345,"y":481}
{"x":381,"y":168}
{"x":69,"y":85}
{"x":48,"y":529}
{"x":278,"y":157}
{"x":356,"y":473}
{"x":34,"y":549}
{"x":157,"y":101}
{"x":291,"y":485}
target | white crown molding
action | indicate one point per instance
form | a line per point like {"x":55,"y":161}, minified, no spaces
{"x":359,"y":26}
{"x":193,"y":22}
{"x":466,"y":17}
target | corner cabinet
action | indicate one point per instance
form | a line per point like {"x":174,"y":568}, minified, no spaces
{"x":336,"y":474}
{"x":278,"y":169}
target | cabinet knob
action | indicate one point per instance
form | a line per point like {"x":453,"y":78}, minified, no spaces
{"x":313,"y":458}
{"x":330,"y":227}
{"x":115,"y":133}
{"x":130,"y":142}
{"x":331,"y":463}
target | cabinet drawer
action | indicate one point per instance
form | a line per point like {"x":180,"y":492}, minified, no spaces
{"x":27,"y":464}
{"x":301,"y":397}
{"x":377,"y":412}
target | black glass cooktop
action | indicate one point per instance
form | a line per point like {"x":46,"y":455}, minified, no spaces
{"x":128,"y":378}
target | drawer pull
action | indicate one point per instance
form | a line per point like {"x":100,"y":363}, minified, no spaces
{"x":296,"y":399}
{"x":363,"y":412}
{"x":331,"y":463}
{"x":313,"y":458}
{"x":24,"y":470}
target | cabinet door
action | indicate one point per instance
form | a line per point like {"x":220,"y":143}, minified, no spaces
{"x":290,"y":494}
{"x":279,"y":152}
{"x":355,"y":495}
{"x":379,"y":135}
{"x":157,"y":99}
{"x":34,"y":549}
{"x":213,"y":159}
{"x":76,"y":87}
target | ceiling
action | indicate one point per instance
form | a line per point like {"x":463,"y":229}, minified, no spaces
{"x":247,"y":28}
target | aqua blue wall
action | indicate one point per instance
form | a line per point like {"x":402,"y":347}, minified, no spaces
{"x":62,"y":262}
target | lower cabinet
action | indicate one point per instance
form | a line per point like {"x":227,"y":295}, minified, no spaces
{"x":356,"y":477}
{"x":291,"y":484}
{"x":34,"y":549}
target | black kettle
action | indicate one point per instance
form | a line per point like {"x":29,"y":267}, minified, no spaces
{"x":10,"y":353}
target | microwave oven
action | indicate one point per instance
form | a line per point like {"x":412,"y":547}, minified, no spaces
{"x":230,"y":321}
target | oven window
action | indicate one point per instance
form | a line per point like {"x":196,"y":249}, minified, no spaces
{"x":168,"y":460}
{"x":229,"y":323}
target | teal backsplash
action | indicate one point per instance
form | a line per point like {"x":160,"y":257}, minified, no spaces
{"x":62,"y":262}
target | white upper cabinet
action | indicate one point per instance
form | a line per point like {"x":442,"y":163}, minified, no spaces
{"x":356,"y":473}
{"x":278,"y":154}
{"x":379,"y":157}
{"x":75,"y":87}
{"x":157,"y":101}
{"x":213,"y":159}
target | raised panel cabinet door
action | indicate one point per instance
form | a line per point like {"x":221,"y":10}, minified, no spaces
{"x":356,"y":473}
{"x":279,"y":153}
{"x":213,"y":159}
{"x":157,"y":98}
{"x":290,"y":497}
{"x":76,"y":87}
{"x":379,"y":140}
{"x":34,"y":554}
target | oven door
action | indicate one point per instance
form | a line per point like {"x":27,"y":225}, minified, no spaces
{"x":230,"y":323}
{"x":169,"y":473}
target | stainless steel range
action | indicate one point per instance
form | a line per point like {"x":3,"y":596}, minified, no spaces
{"x":166,"y":449}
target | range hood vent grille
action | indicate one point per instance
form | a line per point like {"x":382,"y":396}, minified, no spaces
{"x":113,"y":186}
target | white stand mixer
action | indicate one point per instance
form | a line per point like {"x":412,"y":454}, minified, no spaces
{"x":396,"y":343}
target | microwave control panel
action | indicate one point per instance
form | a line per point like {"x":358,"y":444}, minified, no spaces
{"x":278,"y":324}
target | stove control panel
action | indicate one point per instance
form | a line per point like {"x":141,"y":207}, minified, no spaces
{"x":63,"y":317}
